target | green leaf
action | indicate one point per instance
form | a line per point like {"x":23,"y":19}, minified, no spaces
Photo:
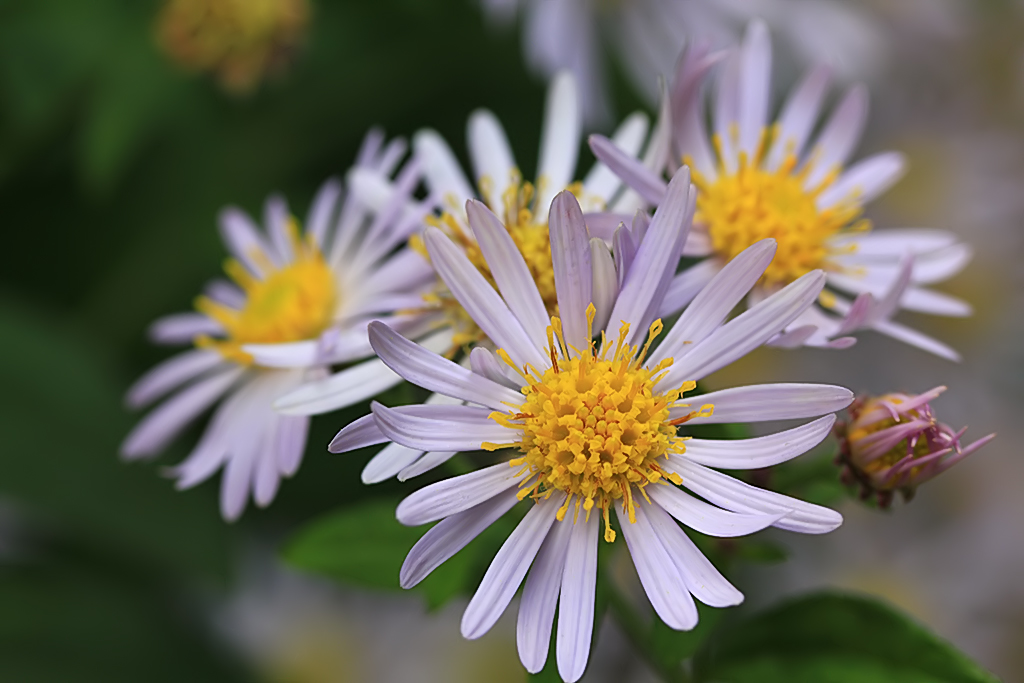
{"x":364,"y":545}
{"x":833,"y":638}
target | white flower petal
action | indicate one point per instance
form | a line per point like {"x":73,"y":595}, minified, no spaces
{"x":318,"y":220}
{"x":686,"y":285}
{"x":491,"y":155}
{"x":451,"y":535}
{"x":701,"y":577}
{"x":170,"y":374}
{"x":428,"y":462}
{"x":936,"y":303}
{"x":441,"y":427}
{"x":733,"y":494}
{"x":605,"y":282}
{"x":865,"y":180}
{"x":570,"y":259}
{"x":766,"y":402}
{"x":798,"y":117}
{"x":656,"y":258}
{"x":707,"y":519}
{"x":483,"y":362}
{"x":352,"y":385}
{"x":625,"y":251}
{"x":359,"y":433}
{"x":540,"y":597}
{"x":761,"y":451}
{"x":243,"y":240}
{"x":292,"y":433}
{"x":630,"y":170}
{"x":747,"y":331}
{"x":915,"y":338}
{"x":451,"y":496}
{"x":275,"y":217}
{"x":602,"y":181}
{"x":441,"y":169}
{"x":512,"y":275}
{"x":181,"y":328}
{"x":428,"y":370}
{"x":507,"y":569}
{"x":893,"y":244}
{"x":754,"y":87}
{"x":840,"y":135}
{"x":576,"y":602}
{"x":711,"y":306}
{"x":481,"y":302}
{"x":559,"y":141}
{"x":658,"y":573}
{"x":161,"y":425}
{"x":300,"y":354}
{"x":387,"y":463}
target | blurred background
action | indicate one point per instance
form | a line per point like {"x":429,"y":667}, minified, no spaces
{"x":125,"y":127}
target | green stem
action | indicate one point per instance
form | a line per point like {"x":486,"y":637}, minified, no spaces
{"x":635,"y":630}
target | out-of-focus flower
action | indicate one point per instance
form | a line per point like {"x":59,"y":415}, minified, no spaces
{"x":523,"y":208}
{"x":240,"y":41}
{"x":294,"y":304}
{"x":648,"y":35}
{"x":758,"y":180}
{"x":592,"y":426}
{"x":894,"y":443}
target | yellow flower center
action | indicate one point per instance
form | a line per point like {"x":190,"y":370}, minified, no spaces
{"x":530,"y":236}
{"x":292,"y":303}
{"x":752,"y":203}
{"x":594,"y":425}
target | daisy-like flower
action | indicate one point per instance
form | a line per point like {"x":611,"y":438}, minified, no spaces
{"x":523,"y":207}
{"x":240,"y":41}
{"x":757,"y":180}
{"x":295,"y":303}
{"x":895,"y":443}
{"x":591,"y":427}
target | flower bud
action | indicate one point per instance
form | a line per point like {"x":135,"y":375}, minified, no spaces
{"x":894,"y":443}
{"x":240,"y":41}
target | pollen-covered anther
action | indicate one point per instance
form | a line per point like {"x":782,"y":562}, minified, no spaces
{"x":595,"y":426}
{"x":744,"y":205}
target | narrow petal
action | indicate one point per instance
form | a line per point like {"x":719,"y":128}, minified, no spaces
{"x":754,"y":87}
{"x":428,"y":462}
{"x":483,"y":362}
{"x":359,"y":433}
{"x":656,"y":256}
{"x":159,"y":427}
{"x":915,"y":338}
{"x":630,"y":170}
{"x":387,"y":463}
{"x":840,"y":135}
{"x":171,"y":374}
{"x":322,"y":210}
{"x":658,"y":573}
{"x":747,"y":331}
{"x":766,"y":402}
{"x":491,"y":155}
{"x":687,"y":285}
{"x":432,"y":372}
{"x":576,"y":602}
{"x":798,"y":117}
{"x":761,"y":451}
{"x":570,"y":259}
{"x":243,"y":240}
{"x":481,"y":302}
{"x":602,"y":181}
{"x":707,"y":519}
{"x":865,"y":180}
{"x":507,"y":569}
{"x":441,"y":169}
{"x":451,"y":496}
{"x":605,"y":282}
{"x":701,"y":577}
{"x":441,"y":428}
{"x":559,"y":141}
{"x":352,"y":385}
{"x":182,"y":328}
{"x":512,"y":275}
{"x":451,"y":535}
{"x":540,"y":597}
{"x":625,"y":251}
{"x":710,"y":308}
{"x":733,"y":494}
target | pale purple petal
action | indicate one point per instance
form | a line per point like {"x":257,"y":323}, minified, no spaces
{"x":761,"y":451}
{"x":754,"y":87}
{"x":170,"y":374}
{"x":798,"y":117}
{"x":559,"y":141}
{"x":630,"y":170}
{"x":181,"y":328}
{"x":451,"y":496}
{"x":491,"y":155}
{"x":441,"y":427}
{"x":540,"y":597}
{"x":766,"y":402}
{"x":707,"y":519}
{"x":576,"y":602}
{"x":570,"y":258}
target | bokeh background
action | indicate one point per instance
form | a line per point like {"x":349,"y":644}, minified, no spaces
{"x":114,"y":160}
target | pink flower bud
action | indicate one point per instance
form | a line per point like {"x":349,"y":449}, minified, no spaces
{"x":894,"y":443}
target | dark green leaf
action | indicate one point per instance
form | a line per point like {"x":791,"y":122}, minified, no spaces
{"x":833,"y":638}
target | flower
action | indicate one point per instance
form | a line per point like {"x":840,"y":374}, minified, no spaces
{"x":239,"y":40}
{"x":757,"y":180}
{"x":588,"y":427}
{"x":295,"y":304}
{"x":523,"y":207}
{"x":894,"y":443}
{"x":647,"y":36}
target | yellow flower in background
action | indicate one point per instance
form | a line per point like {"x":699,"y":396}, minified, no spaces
{"x":240,"y":41}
